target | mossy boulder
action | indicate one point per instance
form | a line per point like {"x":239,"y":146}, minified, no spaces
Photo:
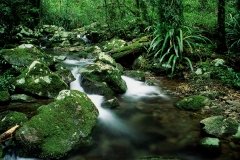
{"x":21,"y":57}
{"x":38,"y":80}
{"x":105,"y":58}
{"x":106,"y":75}
{"x":91,"y":86}
{"x":65,"y":75}
{"x":219,"y":126}
{"x":4,"y":97}
{"x":114,"y":44}
{"x":9,"y":119}
{"x":60,"y":126}
{"x":193,"y":103}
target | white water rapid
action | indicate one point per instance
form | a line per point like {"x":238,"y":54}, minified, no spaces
{"x":106,"y":116}
{"x":137,"y":89}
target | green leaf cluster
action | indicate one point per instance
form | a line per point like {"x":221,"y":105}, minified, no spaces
{"x":170,"y":50}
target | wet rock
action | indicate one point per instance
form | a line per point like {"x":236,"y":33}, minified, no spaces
{"x":4,"y":97}
{"x":219,"y":126}
{"x":105,"y":74}
{"x":111,"y":103}
{"x":38,"y":80}
{"x":50,"y":29}
{"x":105,"y":58}
{"x":114,"y":44}
{"x":60,"y":126}
{"x":9,"y":119}
{"x":20,"y":58}
{"x":137,"y":75}
{"x":22,"y":98}
{"x":92,"y":86}
{"x":65,"y":75}
{"x":193,"y":103}
{"x":209,"y":142}
{"x":141,"y":63}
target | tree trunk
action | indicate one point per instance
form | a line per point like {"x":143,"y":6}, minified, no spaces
{"x":221,"y":41}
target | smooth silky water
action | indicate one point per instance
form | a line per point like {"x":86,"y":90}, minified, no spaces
{"x":146,"y":124}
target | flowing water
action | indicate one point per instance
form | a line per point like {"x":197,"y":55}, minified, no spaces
{"x":146,"y":124}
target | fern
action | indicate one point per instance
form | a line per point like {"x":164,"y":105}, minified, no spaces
{"x":170,"y":49}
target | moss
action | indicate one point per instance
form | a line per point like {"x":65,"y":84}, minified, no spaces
{"x":4,"y":97}
{"x":193,"y":103}
{"x":60,"y":126}
{"x":101,"y":72}
{"x":219,"y":71}
{"x":114,"y":44}
{"x":138,"y":75}
{"x":219,"y":126}
{"x":92,"y":86}
{"x":37,"y":79}
{"x":20,"y":58}
{"x":134,"y":48}
{"x":9,"y":119}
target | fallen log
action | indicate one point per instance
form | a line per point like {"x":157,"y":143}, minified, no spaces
{"x":8,"y":134}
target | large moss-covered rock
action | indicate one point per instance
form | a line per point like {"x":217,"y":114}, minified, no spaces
{"x":9,"y":119}
{"x":60,"y":126}
{"x":219,"y":126}
{"x":4,"y":97}
{"x":107,"y":75}
{"x":38,"y":80}
{"x":92,"y":86}
{"x":193,"y":103}
{"x":21,"y":57}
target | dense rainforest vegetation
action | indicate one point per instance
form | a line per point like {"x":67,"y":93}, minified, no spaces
{"x":193,"y":44}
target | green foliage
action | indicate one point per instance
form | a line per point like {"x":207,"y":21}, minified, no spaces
{"x":6,"y":80}
{"x":198,"y":13}
{"x":13,"y":13}
{"x":193,"y":103}
{"x":171,"y":50}
{"x":225,"y":74}
{"x":233,"y":32}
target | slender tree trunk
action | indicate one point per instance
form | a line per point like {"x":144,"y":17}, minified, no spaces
{"x":221,"y":41}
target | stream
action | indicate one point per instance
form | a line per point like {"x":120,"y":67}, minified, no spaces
{"x":146,"y":125}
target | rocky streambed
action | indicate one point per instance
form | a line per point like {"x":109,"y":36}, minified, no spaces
{"x":145,"y":117}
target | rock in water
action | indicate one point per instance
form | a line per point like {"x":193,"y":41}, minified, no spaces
{"x":60,"y":126}
{"x":219,"y":126}
{"x":38,"y":80}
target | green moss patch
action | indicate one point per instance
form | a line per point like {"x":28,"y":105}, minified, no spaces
{"x":192,"y":103}
{"x":59,"y":126}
